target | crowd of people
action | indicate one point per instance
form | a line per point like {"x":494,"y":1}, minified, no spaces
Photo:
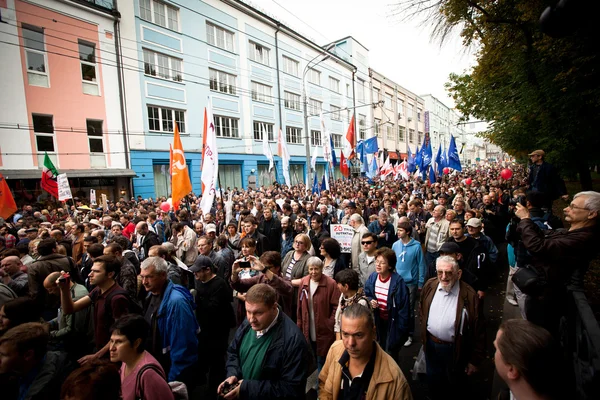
{"x":139,"y":300}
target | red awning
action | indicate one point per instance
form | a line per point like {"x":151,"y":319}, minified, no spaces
{"x":393,"y":155}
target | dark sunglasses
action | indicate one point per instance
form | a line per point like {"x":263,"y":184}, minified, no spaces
{"x":367,"y":242}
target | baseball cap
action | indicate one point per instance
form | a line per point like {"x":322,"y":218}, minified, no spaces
{"x":201,"y":263}
{"x":210,"y":228}
{"x":450,"y":248}
{"x":541,"y":153}
{"x":474,"y":222}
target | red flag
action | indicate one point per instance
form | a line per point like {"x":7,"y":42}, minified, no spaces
{"x":350,"y":140}
{"x":344,"y":166}
{"x":7,"y":203}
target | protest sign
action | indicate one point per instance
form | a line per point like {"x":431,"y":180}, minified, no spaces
{"x":343,"y":234}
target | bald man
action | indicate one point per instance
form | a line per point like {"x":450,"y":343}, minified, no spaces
{"x":13,"y":277}
{"x":145,"y":239}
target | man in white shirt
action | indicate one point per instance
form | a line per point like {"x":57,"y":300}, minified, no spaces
{"x":455,"y":336}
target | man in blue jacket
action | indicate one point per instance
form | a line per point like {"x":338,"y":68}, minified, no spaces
{"x":268,"y":357}
{"x":386,"y":234}
{"x":411,"y":266}
{"x":169,"y":309}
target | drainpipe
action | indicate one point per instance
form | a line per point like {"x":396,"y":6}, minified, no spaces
{"x":122,"y":101}
{"x":278,"y":85}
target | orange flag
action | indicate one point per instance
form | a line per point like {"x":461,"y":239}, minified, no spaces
{"x":181,"y":185}
{"x":7,"y":204}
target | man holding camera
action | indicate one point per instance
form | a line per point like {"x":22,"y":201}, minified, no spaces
{"x":559,"y":257}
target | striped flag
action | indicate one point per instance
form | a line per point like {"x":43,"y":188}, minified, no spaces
{"x":49,"y":177}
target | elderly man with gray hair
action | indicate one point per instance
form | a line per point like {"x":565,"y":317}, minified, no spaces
{"x":169,"y":309}
{"x":358,"y":224}
{"x":384,"y":230}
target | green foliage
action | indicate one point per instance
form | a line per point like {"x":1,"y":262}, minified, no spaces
{"x":537,"y":91}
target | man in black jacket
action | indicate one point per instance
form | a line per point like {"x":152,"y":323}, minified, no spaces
{"x":271,"y":228}
{"x":146,"y":239}
{"x":543,"y":177}
{"x":251,"y":228}
{"x":268,"y":357}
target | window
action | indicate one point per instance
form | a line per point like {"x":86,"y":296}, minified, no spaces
{"x":291,"y":101}
{"x":94,"y":131}
{"x":261,"y":92}
{"x":337,"y":140}
{"x":314,"y":107}
{"x":163,"y":66}
{"x":293,"y":135}
{"x":334,"y":84}
{"x":419,"y":114}
{"x":290,"y":66}
{"x":222,"y":81}
{"x":314,"y":76}
{"x":336,"y":113}
{"x":390,"y":132}
{"x":315,"y":138}
{"x":400,"y":107}
{"x":347,"y":90}
{"x":387,"y":98}
{"x":219,"y":37}
{"x":87,"y":57}
{"x":411,"y":135}
{"x":296,"y":174}
{"x":35,"y":55}
{"x":376,"y":126}
{"x":376,"y":95}
{"x":162,"y":119}
{"x":226,"y":127}
{"x":259,"y":53}
{"x":420,"y":137}
{"x":409,"y":110}
{"x":360,"y":89}
{"x":230,"y":176}
{"x":162,"y":179}
{"x":362,"y":126}
{"x":265,"y":177}
{"x":258,"y":131}
{"x":43,"y":127}
{"x":160,"y":13}
{"x":401,"y":133}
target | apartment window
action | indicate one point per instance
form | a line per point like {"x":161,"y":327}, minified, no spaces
{"x":360,"y":89}
{"x":401,"y":133}
{"x":290,"y":66}
{"x":420,"y":137}
{"x":35,"y":55}
{"x":230,"y":176}
{"x":390,"y":132}
{"x":226,"y":127}
{"x":362,"y":126}
{"x":409,"y":110}
{"x":347,"y":90}
{"x":94,"y":131}
{"x":160,"y":13}
{"x":261,"y":92}
{"x":376,"y":94}
{"x":411,"y":135}
{"x":222,"y":81}
{"x":293,"y":135}
{"x":219,"y":37}
{"x":376,"y":126}
{"x":314,"y":76}
{"x":315,"y":138}
{"x":258,"y":130}
{"x":334,"y":84}
{"x":291,"y":101}
{"x":314,"y":107}
{"x":162,"y":119}
{"x":161,"y":65}
{"x":259,"y":53}
{"x":419,"y":114}
{"x":401,"y":107}
{"x":337,"y":140}
{"x":387,"y":98}
{"x":87,"y":57}
{"x":336,"y":113}
{"x":43,"y":127}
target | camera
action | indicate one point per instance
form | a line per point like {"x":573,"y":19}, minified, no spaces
{"x":228,"y":387}
{"x":522,"y":200}
{"x":244,"y":264}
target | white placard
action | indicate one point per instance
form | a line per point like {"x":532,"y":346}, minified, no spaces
{"x":104,"y":202}
{"x":64,"y":191}
{"x":93,"y":196}
{"x":343,"y":234}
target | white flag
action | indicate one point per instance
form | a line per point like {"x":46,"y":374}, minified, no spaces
{"x":266,"y":147}
{"x":210,"y":162}
{"x":285,"y":157}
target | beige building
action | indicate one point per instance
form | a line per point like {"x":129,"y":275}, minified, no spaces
{"x":398,"y":119}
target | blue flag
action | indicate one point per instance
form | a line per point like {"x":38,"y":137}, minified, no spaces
{"x":371,"y":145}
{"x":427,"y":152}
{"x":419,"y":159}
{"x":431,"y":174}
{"x":372,"y":172}
{"x":412,"y":165}
{"x":453,"y":159}
{"x":323,"y":184}
{"x":333,"y":158}
{"x":316,"y":188}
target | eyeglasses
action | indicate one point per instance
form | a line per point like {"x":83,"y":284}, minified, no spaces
{"x":298,"y":242}
{"x":369,"y":242}
{"x":574,"y":207}
{"x":381,"y":263}
{"x":448,"y":273}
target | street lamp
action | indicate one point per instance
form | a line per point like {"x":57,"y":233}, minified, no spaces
{"x":305,"y":101}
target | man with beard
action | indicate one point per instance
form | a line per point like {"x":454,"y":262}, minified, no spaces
{"x":287,"y":236}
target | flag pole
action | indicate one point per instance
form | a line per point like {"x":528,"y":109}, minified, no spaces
{"x":220,"y":188}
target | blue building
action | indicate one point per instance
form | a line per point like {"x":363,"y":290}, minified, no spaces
{"x":179,"y":55}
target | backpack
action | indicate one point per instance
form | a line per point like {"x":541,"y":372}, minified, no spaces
{"x":133,"y":307}
{"x":178,"y":389}
{"x":159,"y":222}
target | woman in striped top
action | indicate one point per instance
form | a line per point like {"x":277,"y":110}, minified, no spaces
{"x":389,"y":298}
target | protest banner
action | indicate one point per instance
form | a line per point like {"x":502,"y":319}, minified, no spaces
{"x":343,"y":234}
{"x":64,"y":190}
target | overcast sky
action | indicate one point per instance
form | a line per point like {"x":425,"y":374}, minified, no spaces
{"x":401,"y":51}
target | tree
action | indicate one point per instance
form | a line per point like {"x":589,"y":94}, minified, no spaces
{"x":537,"y":91}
